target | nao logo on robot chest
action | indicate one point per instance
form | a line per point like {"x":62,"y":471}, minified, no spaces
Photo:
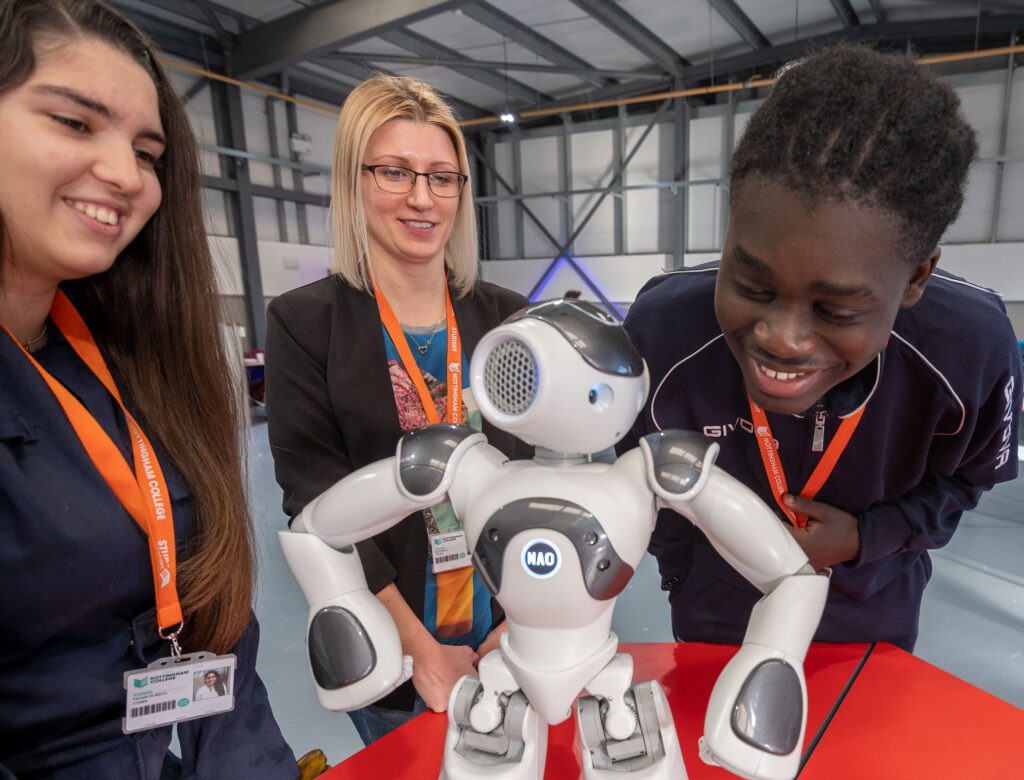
{"x":541,"y":558}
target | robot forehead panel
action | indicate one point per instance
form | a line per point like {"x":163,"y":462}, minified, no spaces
{"x":605,"y":573}
{"x":597,"y":337}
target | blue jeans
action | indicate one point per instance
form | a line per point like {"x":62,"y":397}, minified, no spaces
{"x":373,"y":722}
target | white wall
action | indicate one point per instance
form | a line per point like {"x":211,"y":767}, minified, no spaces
{"x":648,"y":225}
{"x":619,"y":278}
{"x":283,"y":266}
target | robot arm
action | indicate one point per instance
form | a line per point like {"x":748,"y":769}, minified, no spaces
{"x":379,"y":495}
{"x":354,"y":648}
{"x":757,"y":713}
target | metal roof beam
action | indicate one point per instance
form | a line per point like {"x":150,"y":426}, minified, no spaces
{"x":406,"y":59}
{"x":951,"y":28}
{"x":740,"y":22}
{"x":633,"y":32}
{"x":516,"y":31}
{"x":1009,"y":6}
{"x":186,"y":15}
{"x":742,"y":65}
{"x":846,"y":13}
{"x":623,"y":90}
{"x":360,"y":71}
{"x":325,"y":27}
{"x":211,"y":15}
{"x":425,"y":47}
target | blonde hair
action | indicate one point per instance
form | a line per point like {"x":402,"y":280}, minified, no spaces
{"x":378,"y":100}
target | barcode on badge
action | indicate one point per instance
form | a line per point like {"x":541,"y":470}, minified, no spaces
{"x":446,"y":558}
{"x":149,"y":709}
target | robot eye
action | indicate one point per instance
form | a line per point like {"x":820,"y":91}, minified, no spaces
{"x":600,"y":397}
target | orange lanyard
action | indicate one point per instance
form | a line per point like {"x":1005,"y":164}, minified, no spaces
{"x":453,"y":363}
{"x":144,"y":493}
{"x":773,"y":464}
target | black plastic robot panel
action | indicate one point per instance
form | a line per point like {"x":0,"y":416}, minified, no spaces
{"x":599,"y":339}
{"x":605,"y":573}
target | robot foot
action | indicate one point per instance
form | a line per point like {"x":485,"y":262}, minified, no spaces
{"x":651,"y":752}
{"x":514,"y":750}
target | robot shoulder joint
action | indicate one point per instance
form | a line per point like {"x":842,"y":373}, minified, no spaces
{"x":678,"y":462}
{"x":428,"y":456}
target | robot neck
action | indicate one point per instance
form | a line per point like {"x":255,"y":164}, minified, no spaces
{"x":545,"y":457}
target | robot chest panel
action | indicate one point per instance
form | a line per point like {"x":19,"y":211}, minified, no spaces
{"x":541,"y":543}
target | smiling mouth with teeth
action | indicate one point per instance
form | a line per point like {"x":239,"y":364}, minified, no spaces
{"x":99,"y":213}
{"x":783,"y":375}
{"x":413,"y":223}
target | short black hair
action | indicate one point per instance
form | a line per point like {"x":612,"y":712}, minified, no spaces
{"x":850,"y":122}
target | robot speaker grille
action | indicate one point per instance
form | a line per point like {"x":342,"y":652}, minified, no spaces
{"x":510,"y":377}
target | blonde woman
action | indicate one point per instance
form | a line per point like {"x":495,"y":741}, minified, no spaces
{"x":378,"y":348}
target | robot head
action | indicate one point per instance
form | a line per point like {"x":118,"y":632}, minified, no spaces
{"x":562,"y":375}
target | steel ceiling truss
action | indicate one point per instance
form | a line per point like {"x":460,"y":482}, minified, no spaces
{"x":322,"y":28}
{"x":634,"y":33}
{"x":426,"y":47}
{"x":730,"y":11}
{"x":507,"y":26}
{"x":846,"y":13}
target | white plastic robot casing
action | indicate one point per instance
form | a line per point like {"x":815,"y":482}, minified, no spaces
{"x":557,"y":386}
{"x":565,"y":377}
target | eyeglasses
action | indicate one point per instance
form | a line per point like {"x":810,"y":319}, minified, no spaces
{"x":398,"y":180}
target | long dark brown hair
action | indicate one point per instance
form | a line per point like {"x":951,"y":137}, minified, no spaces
{"x":156,"y":315}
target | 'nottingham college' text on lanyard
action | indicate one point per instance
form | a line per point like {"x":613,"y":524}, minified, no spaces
{"x":773,"y":464}
{"x":453,"y":363}
{"x":143,"y":494}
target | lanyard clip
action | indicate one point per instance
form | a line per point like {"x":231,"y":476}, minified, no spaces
{"x":172,"y":637}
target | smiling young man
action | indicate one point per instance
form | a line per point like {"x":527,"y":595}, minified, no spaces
{"x":867,"y":397}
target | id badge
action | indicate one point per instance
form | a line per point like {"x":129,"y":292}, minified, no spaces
{"x":173,"y":690}
{"x":448,"y":551}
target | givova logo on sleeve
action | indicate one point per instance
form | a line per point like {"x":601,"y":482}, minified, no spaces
{"x":541,"y":558}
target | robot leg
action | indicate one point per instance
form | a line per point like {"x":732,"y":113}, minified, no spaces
{"x":493,"y":732}
{"x":627,"y":730}
{"x":757,"y":714}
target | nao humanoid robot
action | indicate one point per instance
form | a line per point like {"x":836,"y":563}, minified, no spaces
{"x":556,"y":539}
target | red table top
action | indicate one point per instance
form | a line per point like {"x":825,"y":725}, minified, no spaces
{"x":904,"y":718}
{"x":686,"y":671}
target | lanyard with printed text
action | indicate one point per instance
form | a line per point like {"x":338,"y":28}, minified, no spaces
{"x":773,"y":464}
{"x":142,"y":493}
{"x":453,"y":363}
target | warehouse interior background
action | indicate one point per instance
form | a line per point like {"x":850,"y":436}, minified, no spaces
{"x":600,"y":133}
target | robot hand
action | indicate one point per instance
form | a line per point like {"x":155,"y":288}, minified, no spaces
{"x":757,"y":713}
{"x":355,"y":652}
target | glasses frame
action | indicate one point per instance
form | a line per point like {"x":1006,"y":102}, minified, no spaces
{"x":461,"y":177}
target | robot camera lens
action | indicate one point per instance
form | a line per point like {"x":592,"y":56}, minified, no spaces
{"x":592,"y":397}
